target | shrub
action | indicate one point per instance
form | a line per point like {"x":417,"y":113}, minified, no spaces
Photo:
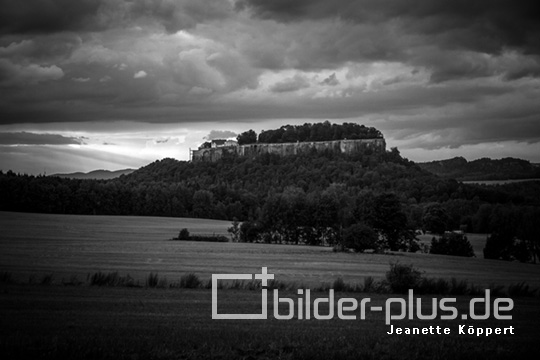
{"x":323,"y":287}
{"x":401,"y":278}
{"x":47,"y":279}
{"x":452,"y":244}
{"x":369,"y":284}
{"x":183,"y":234}
{"x":234,"y":230}
{"x":208,"y":284}
{"x":505,"y":246}
{"x":341,"y":286}
{"x":360,"y":237}
{"x":435,"y":219}
{"x":249,"y":231}
{"x":212,"y":238}
{"x":373,"y":286}
{"x":186,"y":236}
{"x":152,"y":280}
{"x":98,"y":279}
{"x":499,"y":246}
{"x":190,"y":281}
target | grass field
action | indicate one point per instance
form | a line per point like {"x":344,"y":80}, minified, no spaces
{"x":67,"y":245}
{"x":56,"y":322}
{"x":84,"y":322}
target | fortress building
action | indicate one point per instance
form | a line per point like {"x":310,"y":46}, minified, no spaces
{"x":216,"y":149}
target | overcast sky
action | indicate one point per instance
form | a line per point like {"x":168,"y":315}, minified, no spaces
{"x":111,"y":84}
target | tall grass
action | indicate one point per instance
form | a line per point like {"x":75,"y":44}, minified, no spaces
{"x":458,"y":287}
{"x":399,"y":279}
{"x":190,"y":281}
{"x":73,"y":281}
{"x":373,"y":286}
{"x":152,"y":280}
{"x":111,"y":279}
{"x":521,"y":289}
{"x":47,"y":279}
{"x":6,"y":277}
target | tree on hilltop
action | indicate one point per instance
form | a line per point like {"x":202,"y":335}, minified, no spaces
{"x":247,"y":137}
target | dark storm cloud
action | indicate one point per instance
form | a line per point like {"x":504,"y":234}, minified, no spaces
{"x":47,"y":16}
{"x":325,"y":44}
{"x":528,"y":68}
{"x":509,"y":116}
{"x":97,"y":105}
{"x":457,"y":66}
{"x":52,"y":16}
{"x":176,"y":15}
{"x":42,"y":48}
{"x":437,"y":73}
{"x":15,"y":74}
{"x":485,"y":25}
{"x":26,"y":138}
{"x":477,"y":128}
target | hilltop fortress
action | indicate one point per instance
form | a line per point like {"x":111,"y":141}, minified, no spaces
{"x":218,"y":148}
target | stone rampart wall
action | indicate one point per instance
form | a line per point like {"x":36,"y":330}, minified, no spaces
{"x":284,"y":149}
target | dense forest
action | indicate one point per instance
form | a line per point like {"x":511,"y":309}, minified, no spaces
{"x":310,"y":132}
{"x":483,"y":169}
{"x":361,"y":201}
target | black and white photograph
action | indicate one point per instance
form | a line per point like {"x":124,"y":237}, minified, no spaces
{"x":269,"y":179}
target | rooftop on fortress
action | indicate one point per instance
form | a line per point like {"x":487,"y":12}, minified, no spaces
{"x":218,"y":143}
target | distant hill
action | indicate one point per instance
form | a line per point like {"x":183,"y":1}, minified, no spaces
{"x":96,"y":174}
{"x":483,"y":169}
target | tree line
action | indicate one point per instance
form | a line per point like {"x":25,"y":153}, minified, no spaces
{"x":483,"y":169}
{"x":317,"y":198}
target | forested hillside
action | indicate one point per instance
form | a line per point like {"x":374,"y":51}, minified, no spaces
{"x":482,"y":169}
{"x":313,"y":198}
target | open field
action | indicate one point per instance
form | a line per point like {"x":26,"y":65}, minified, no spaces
{"x":56,"y":322}
{"x":89,"y":322}
{"x":67,"y":245}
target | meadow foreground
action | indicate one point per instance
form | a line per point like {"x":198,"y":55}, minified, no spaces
{"x":32,"y":245}
{"x":57,"y":322}
{"x":48,"y":319}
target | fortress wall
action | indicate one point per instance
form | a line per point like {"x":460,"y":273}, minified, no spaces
{"x":213,"y":154}
{"x":284,"y":149}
